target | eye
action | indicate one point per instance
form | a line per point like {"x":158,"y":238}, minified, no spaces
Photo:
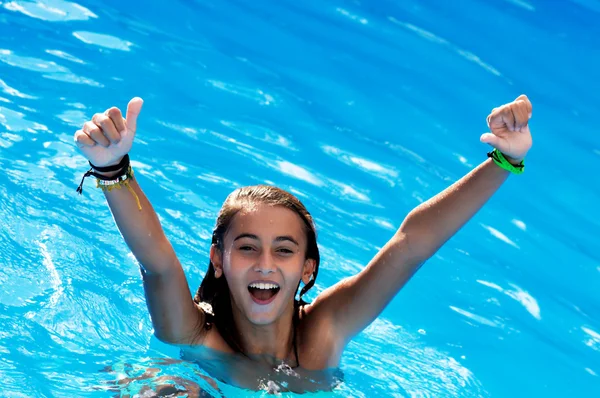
{"x":246,"y":248}
{"x":285,"y":250}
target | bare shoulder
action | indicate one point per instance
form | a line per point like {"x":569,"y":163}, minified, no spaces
{"x":212,"y":339}
{"x":319,"y":345}
{"x":208,"y":335}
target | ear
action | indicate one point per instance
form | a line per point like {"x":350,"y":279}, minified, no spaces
{"x":308,"y":269}
{"x":216,"y":258}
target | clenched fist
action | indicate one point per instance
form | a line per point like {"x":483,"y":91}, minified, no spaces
{"x":510,"y":130}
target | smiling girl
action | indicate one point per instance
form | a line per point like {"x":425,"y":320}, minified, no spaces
{"x":264,"y":247}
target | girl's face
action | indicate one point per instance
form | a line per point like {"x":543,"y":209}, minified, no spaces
{"x":263,"y":260}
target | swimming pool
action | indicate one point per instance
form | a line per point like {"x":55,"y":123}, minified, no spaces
{"x":363,"y":110}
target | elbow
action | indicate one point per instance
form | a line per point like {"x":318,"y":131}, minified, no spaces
{"x":419,"y":246}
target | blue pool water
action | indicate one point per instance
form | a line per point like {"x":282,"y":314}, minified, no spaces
{"x":364,"y":110}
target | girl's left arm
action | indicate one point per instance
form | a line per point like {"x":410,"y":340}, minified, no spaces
{"x":355,"y":302}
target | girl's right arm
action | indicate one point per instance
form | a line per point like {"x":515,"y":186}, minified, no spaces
{"x":176,"y":318}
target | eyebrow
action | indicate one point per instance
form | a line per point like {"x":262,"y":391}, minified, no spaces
{"x":278,"y":239}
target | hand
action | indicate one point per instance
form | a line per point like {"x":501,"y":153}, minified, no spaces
{"x":509,"y":130}
{"x":108,"y":137}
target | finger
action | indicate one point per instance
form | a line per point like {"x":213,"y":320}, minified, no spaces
{"x":519,"y":110}
{"x":95,"y":132}
{"x":492,"y":113}
{"x":115,"y":115}
{"x":502,"y":115}
{"x":508,"y":117}
{"x":528,"y":105}
{"x":83,"y":140}
{"x":489,"y":138}
{"x":133,"y":110}
{"x":108,"y":127}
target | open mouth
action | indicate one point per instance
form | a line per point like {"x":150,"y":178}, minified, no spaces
{"x":263,"y":292}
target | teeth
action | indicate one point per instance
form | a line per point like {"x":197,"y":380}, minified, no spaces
{"x":264,"y":286}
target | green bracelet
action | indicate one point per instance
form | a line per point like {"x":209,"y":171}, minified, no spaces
{"x":501,"y":161}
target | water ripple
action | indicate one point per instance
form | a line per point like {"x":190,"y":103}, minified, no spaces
{"x":15,"y":121}
{"x":351,"y":16}
{"x":523,"y":4}
{"x":256,"y":95}
{"x":469,"y":56}
{"x":260,"y":133}
{"x":384,"y":172}
{"x":520,"y":295}
{"x":407,"y":366}
{"x":65,"y":55}
{"x":298,"y":172}
{"x":13,"y":91}
{"x":50,"y":69}
{"x":103,"y":40}
{"x":499,"y":235}
{"x":477,"y":318}
{"x":51,"y":10}
{"x":592,"y":338}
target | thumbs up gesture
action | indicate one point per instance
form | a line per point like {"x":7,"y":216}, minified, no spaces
{"x":108,"y":137}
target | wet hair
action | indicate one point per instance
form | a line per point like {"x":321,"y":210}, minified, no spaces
{"x":215,"y":291}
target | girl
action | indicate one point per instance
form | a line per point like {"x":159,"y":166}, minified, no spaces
{"x":264,"y":247}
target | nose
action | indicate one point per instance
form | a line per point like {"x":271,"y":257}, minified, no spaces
{"x":265,"y":264}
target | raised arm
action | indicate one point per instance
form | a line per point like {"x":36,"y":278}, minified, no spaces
{"x":104,"y":141}
{"x":355,"y":302}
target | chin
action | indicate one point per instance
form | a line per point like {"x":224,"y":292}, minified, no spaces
{"x":263,"y":314}
{"x":261,"y":320}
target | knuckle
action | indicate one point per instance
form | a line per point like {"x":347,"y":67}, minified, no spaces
{"x":93,"y":128}
{"x":99,"y":118}
{"x":114,"y":111}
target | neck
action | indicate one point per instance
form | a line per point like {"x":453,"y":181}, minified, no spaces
{"x":272,"y":342}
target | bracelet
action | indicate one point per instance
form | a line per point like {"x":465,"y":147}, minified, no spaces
{"x":501,"y":161}
{"x":108,"y":183}
{"x":119,"y":166}
{"x":122,"y":178}
{"x":114,"y":182}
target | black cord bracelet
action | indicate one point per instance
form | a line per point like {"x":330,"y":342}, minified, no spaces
{"x":122,"y":167}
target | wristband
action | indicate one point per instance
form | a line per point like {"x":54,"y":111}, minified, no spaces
{"x":501,"y":161}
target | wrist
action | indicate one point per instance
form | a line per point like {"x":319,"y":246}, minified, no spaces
{"x":115,"y":168}
{"x":110,"y":165}
{"x":513,"y":161}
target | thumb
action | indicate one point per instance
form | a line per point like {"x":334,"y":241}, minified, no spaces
{"x":489,"y":138}
{"x":133,"y":110}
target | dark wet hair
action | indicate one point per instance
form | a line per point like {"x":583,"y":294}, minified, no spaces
{"x":215,"y":291}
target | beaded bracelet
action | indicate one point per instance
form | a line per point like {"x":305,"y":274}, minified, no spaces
{"x":107,"y":185}
{"x":122,"y":178}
